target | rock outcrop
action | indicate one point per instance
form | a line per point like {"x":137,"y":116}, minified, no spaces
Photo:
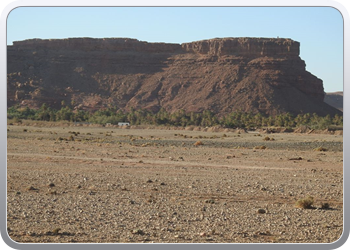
{"x":249,"y":47}
{"x":222,"y":75}
{"x":93,"y":44}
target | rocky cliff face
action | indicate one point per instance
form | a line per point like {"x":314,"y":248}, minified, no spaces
{"x":249,"y":47}
{"x":223,"y":75}
{"x":92,"y":44}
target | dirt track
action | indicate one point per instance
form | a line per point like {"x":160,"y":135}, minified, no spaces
{"x":147,"y":185}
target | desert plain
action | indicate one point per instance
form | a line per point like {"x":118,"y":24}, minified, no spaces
{"x":83,"y":183}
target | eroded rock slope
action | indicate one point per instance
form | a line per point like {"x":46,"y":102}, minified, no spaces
{"x":222,"y":75}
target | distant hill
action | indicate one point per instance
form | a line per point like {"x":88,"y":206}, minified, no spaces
{"x":223,"y":75}
{"x":335,"y":99}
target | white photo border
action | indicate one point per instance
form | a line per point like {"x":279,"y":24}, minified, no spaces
{"x":225,"y":3}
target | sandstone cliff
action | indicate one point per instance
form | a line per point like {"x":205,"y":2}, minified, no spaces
{"x":222,"y":75}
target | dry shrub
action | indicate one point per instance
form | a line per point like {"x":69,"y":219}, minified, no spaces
{"x":320,"y":149}
{"x":56,"y":231}
{"x":70,"y":138}
{"x":305,"y":203}
{"x":198,"y":143}
{"x":325,"y":205}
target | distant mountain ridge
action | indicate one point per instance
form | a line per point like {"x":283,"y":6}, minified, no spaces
{"x":223,"y":75}
{"x":335,"y":99}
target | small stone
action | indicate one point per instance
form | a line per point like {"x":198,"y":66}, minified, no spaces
{"x":211,"y":201}
{"x":31,"y":234}
{"x":261,"y":211}
{"x":138,"y":231}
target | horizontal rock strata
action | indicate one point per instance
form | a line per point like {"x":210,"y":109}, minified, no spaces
{"x":222,"y":75}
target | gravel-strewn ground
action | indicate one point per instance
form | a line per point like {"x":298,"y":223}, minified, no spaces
{"x":84,"y":184}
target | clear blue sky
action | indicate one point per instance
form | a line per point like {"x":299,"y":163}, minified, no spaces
{"x":318,"y":29}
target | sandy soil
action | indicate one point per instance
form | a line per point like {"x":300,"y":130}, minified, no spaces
{"x":96,"y":184}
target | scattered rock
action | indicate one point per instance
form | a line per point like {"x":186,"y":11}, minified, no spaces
{"x":295,"y":159}
{"x":138,"y":231}
{"x":31,"y":188}
{"x":261,"y":211}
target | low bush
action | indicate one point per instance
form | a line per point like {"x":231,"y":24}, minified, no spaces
{"x":321,"y":149}
{"x":305,"y":203}
{"x":198,"y":143}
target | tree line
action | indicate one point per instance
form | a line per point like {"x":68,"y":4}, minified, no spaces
{"x":206,"y":118}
